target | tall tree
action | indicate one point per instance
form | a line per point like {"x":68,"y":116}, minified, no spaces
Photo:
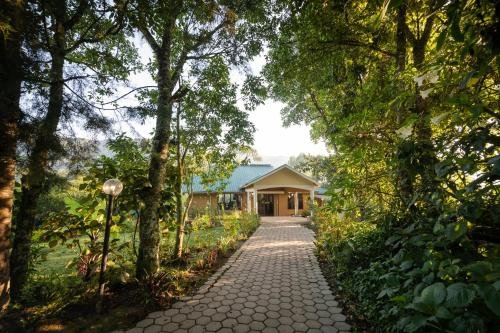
{"x":363,"y":99}
{"x":211,"y":132}
{"x":181,"y":32}
{"x":12,"y":17}
{"x":70,"y":33}
{"x":316,"y":166}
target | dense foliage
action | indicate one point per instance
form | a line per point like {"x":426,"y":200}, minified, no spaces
{"x":406,"y":95}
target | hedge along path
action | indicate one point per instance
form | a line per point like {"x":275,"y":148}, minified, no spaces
{"x":273,"y":283}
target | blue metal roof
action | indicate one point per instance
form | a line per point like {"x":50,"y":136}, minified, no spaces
{"x":241,"y":175}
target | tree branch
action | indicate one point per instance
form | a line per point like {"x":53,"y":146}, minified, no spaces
{"x":409,"y":34}
{"x":319,"y":108}
{"x":69,"y":24}
{"x":352,"y":42}
{"x":128,"y":93}
{"x":141,"y":25}
{"x":202,"y":38}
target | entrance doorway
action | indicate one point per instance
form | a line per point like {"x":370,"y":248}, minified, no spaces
{"x":266,"y":204}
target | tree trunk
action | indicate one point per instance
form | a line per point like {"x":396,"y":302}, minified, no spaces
{"x":179,"y":239}
{"x":401,"y":38}
{"x":404,"y":177}
{"x":33,"y":181}
{"x":11,"y":76}
{"x":148,"y":260}
{"x":423,"y":130}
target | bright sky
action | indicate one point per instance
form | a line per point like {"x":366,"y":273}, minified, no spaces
{"x":273,"y":142}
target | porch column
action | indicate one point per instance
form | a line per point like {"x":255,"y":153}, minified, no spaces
{"x":296,"y":203}
{"x":311,"y":197}
{"x":255,"y":207}
{"x":249,"y":205}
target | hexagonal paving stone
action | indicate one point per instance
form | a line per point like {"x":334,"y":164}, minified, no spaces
{"x":271,"y":322}
{"x":338,"y":317}
{"x":259,"y":317}
{"x":196,"y":329}
{"x":209,"y":312}
{"x":203,"y":320}
{"x":257,"y":325}
{"x":342,"y":326}
{"x":179,"y":318}
{"x":219,"y":316}
{"x":213,"y":326}
{"x":233,"y":314}
{"x":170,"y":327}
{"x":261,"y":309}
{"x":313,"y":324}
{"x":241,"y":328}
{"x":188,"y":323}
{"x":300,"y":327}
{"x":153,"y":329}
{"x":229,"y":322}
{"x":145,"y":323}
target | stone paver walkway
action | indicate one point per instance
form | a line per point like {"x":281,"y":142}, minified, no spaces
{"x":273,"y":283}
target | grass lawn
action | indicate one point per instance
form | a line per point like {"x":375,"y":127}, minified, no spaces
{"x":59,"y":256}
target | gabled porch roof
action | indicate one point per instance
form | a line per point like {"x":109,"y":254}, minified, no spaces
{"x":289,"y":178}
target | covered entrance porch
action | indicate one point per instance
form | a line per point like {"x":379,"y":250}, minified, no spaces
{"x":281,"y":192}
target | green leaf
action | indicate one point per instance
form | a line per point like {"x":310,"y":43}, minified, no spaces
{"x":405,"y":265}
{"x":492,"y":300}
{"x":491,"y":297}
{"x":434,"y":294}
{"x":443,"y":313}
{"x":459,"y":295}
{"x":392,"y":239}
{"x":52,"y":242}
{"x":419,"y":306}
{"x":456,"y":230}
{"x":416,"y":322}
{"x":401,"y":299}
{"x":443,"y":168}
{"x":438,"y":227}
{"x":72,"y":205}
{"x":441,"y":39}
{"x":479,"y":270}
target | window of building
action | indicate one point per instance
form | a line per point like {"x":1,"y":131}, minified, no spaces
{"x":291,"y":200}
{"x":228,"y":201}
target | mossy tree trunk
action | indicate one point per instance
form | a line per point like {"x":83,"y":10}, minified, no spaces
{"x":11,"y":77}
{"x":33,"y":181}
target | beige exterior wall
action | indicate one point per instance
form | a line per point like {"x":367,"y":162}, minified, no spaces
{"x":202,"y":201}
{"x":284,"y":177}
{"x":283,"y":204}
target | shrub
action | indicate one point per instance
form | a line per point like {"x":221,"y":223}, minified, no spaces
{"x":248,"y":223}
{"x":414,"y":278}
{"x":201,"y":222}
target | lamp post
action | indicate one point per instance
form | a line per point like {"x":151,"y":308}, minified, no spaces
{"x":112,"y":188}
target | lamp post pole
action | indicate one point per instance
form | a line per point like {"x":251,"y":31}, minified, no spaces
{"x":111,"y":187}
{"x":105,"y":246}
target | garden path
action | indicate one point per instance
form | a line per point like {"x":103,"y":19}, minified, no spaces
{"x":273,"y":283}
